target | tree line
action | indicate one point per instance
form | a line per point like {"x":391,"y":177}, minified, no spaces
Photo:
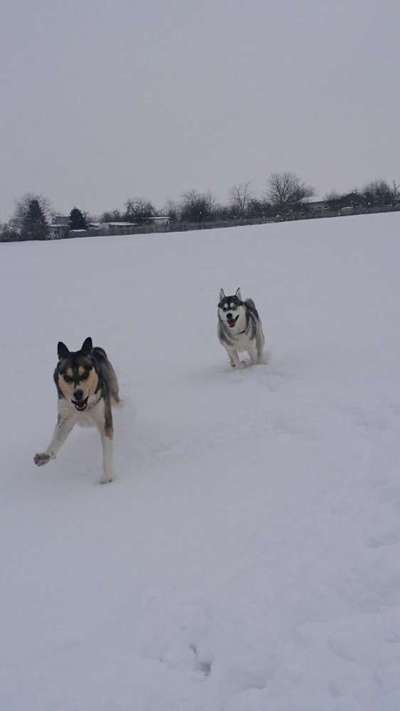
{"x":285,"y":191}
{"x":286,"y":197}
{"x":32,"y":219}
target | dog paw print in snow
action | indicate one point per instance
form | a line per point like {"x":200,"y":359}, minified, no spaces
{"x":201,"y":663}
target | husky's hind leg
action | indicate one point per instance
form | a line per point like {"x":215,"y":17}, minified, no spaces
{"x":260,"y":343}
{"x":253,"y":353}
{"x":114,"y":387}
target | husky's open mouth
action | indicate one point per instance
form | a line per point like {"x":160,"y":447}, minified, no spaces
{"x":81,"y":405}
{"x":231,"y":321}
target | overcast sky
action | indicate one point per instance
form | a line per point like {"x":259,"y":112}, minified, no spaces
{"x":109,"y":99}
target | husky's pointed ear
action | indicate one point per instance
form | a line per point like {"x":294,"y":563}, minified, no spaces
{"x":221,"y":294}
{"x":87,"y":346}
{"x":62,"y":350}
{"x":239,"y":294}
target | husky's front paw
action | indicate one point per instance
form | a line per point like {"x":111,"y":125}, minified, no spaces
{"x":236,"y":363}
{"x":106,"y":479}
{"x":41,"y":458}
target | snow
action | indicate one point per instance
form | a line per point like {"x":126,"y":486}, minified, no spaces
{"x":247,"y":556}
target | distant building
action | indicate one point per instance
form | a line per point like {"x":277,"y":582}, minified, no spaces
{"x":158,"y":220}
{"x":347,"y":210}
{"x":316,"y":207}
{"x":60,"y":220}
{"x":59,"y":227}
{"x":118,"y":228}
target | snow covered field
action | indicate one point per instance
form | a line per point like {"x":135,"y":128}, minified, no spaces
{"x":247,"y":558}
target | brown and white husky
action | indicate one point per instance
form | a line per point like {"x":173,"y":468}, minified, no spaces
{"x":87,"y":386}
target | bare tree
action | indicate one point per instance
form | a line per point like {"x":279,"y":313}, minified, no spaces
{"x":379,"y":192}
{"x":139,"y":210}
{"x":8,"y":234}
{"x":287,"y":192}
{"x":172,"y":210}
{"x":197,"y":207}
{"x":112,"y":216}
{"x":240,"y":197}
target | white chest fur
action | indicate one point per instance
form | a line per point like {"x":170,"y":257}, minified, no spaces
{"x":242,"y":342}
{"x":93,"y":416}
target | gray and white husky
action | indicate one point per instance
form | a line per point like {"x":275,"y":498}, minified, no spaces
{"x":87,"y":386}
{"x":239,"y":328}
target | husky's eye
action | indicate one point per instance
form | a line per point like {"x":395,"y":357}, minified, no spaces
{"x":68,"y":379}
{"x":84,"y":375}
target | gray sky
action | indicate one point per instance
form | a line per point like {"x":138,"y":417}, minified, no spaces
{"x":101,"y":101}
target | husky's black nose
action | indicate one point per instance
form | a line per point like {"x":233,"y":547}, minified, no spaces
{"x":229,"y":316}
{"x":78,"y":395}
